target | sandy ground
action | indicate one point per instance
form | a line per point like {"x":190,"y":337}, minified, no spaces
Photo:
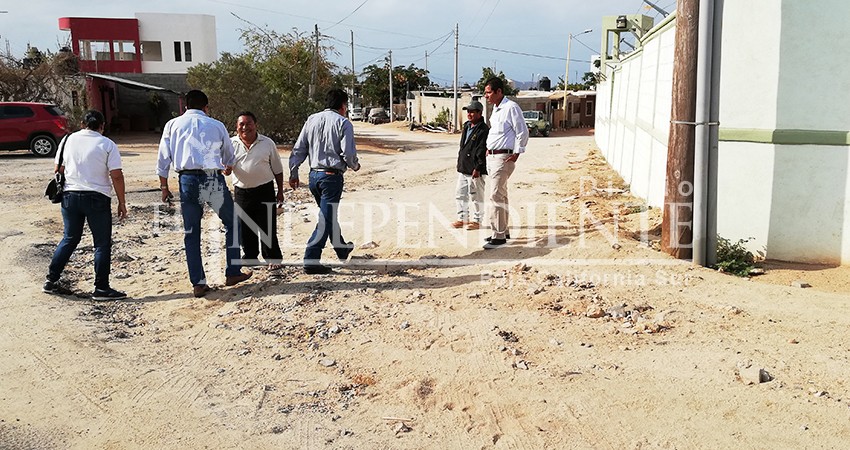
{"x":578,"y":334}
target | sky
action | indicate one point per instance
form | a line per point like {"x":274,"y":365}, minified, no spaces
{"x":511,"y":30}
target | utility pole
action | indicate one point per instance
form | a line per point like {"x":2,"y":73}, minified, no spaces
{"x":391,"y":86}
{"x":454,"y":122}
{"x":312,"y":89}
{"x":353,"y":73}
{"x":426,"y":60}
{"x":677,"y":219}
{"x":567,"y":76}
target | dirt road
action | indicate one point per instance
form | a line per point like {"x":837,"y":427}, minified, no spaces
{"x":576,"y":335}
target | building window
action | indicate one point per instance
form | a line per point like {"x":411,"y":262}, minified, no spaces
{"x":151,"y":51}
{"x":177,"y":54}
{"x":589,"y":109}
{"x":187,"y":51}
{"x":124,"y":50}
{"x":94,"y":50}
{"x":576,"y":108}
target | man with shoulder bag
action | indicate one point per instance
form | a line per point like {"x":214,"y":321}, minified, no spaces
{"x":91,"y":165}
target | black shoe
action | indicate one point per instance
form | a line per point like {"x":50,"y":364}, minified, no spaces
{"x":51,"y":287}
{"x":344,"y":251}
{"x":317,"y":270}
{"x":507,"y":236}
{"x":103,"y":295}
{"x":495,"y":243}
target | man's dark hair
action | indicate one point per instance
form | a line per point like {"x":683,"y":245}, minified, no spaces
{"x":495,"y":84}
{"x":335,"y":99}
{"x":248,"y":114}
{"x":196,"y":99}
{"x":93,"y":119}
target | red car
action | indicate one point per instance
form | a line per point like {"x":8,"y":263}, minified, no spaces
{"x":36,"y":126}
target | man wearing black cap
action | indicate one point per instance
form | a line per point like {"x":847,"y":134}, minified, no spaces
{"x":471,"y":166}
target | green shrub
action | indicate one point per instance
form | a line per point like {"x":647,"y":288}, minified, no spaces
{"x":734,"y":258}
{"x":443,"y":118}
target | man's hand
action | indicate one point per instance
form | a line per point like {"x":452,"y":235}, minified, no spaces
{"x":475,"y":173}
{"x":513,"y":157}
{"x":227,"y":170}
{"x":166,"y":195}
{"x":280,"y":195}
{"x":356,"y":168}
{"x":294,"y":183}
{"x":122,"y":211}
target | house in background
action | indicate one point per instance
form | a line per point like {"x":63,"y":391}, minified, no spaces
{"x":580,"y":111}
{"x":136,"y":68}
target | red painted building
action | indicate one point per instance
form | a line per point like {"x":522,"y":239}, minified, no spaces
{"x":105,"y":45}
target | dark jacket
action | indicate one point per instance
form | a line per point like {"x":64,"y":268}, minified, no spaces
{"x":473,"y":151}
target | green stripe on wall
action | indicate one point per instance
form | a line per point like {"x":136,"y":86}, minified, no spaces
{"x":785,"y":137}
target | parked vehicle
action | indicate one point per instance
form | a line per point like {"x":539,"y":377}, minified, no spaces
{"x":378,"y":116}
{"x":355,"y":114}
{"x":36,"y":126}
{"x":536,"y":123}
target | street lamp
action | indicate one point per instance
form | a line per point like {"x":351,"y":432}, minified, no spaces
{"x":567,"y":70}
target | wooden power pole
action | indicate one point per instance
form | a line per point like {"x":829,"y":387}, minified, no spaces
{"x":677,"y":221}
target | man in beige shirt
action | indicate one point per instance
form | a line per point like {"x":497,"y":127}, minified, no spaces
{"x":257,"y":168}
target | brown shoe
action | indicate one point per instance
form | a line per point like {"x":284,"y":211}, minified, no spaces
{"x":200,"y":290}
{"x":236,"y":279}
{"x":458,"y":224}
{"x":473,"y":226}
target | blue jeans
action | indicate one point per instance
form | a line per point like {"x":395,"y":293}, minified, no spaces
{"x":327,"y":190}
{"x":196,"y":190}
{"x":79,"y":207}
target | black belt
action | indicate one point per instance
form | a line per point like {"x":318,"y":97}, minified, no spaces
{"x":199,"y":171}
{"x":333,"y":171}
{"x":499,"y":152}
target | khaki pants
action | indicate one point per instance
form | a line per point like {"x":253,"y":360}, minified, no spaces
{"x":499,"y":170}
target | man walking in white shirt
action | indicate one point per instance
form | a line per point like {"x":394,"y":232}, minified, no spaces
{"x":199,"y":149}
{"x":257,"y":168}
{"x":506,"y":140}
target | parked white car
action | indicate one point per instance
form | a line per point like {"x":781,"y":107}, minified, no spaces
{"x":355,"y":114}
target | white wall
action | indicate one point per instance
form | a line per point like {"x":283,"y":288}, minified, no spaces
{"x":781,"y":177}
{"x":199,"y":29}
{"x":780,"y":72}
{"x":633,"y":116}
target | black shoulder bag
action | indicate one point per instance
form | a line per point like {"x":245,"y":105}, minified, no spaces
{"x":56,"y":187}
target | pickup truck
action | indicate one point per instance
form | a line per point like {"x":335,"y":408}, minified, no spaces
{"x":536,"y":123}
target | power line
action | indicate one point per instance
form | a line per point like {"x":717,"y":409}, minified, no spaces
{"x":441,"y":43}
{"x":386,"y":48}
{"x":487,"y":20}
{"x":313,"y":19}
{"x":349,"y":15}
{"x":521,"y":53}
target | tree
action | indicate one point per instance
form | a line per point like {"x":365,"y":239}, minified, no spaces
{"x":270,"y":78}
{"x":376,"y":89}
{"x":487,"y":73}
{"x":588,"y":82}
{"x":38,"y":77}
{"x":44,"y":77}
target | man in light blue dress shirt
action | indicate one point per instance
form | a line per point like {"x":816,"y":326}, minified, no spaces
{"x":200,"y":150}
{"x":327,"y":138}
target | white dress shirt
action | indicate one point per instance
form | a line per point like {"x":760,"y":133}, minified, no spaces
{"x":507,"y":128}
{"x":194,"y":141}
